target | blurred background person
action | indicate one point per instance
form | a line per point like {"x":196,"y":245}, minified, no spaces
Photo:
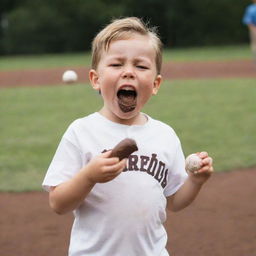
{"x":250,"y":20}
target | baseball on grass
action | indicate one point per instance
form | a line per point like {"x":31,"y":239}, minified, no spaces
{"x":193,"y":163}
{"x":69,"y":76}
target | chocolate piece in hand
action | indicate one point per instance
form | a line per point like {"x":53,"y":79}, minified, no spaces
{"x":124,"y":148}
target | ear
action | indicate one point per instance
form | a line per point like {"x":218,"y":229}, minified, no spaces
{"x":157,"y":84}
{"x":94,"y":78}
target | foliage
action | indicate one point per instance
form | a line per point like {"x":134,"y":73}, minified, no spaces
{"x":57,"y":26}
{"x":69,"y":25}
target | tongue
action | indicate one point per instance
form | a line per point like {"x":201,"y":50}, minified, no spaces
{"x":127,"y":103}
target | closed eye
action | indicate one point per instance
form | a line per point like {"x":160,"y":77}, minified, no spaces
{"x":115,"y":65}
{"x":142,"y":67}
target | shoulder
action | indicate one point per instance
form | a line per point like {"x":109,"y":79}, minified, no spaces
{"x":80,"y":125}
{"x":161,"y":126}
{"x":84,"y":121}
{"x":164,"y":132}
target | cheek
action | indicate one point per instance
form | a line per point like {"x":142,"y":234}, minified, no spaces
{"x":107,"y":91}
{"x":146,"y":94}
{"x":147,"y":85}
{"x":148,"y":79}
{"x":108,"y":79}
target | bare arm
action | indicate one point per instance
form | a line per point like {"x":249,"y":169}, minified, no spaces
{"x":69,"y":195}
{"x":251,"y":26}
{"x":190,"y":189}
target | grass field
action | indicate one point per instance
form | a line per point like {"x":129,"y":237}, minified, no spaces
{"x":83,"y":59}
{"x":213,"y":115}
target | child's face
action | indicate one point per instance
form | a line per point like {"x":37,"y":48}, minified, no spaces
{"x":126,"y":77}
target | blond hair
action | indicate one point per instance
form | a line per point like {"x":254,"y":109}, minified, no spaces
{"x":123,"y":29}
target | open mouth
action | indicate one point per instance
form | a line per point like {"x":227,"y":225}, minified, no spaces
{"x":127,"y":99}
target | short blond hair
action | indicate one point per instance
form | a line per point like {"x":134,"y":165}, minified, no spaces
{"x":123,"y":29}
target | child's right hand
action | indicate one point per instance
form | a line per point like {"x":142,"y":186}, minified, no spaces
{"x":103,"y":169}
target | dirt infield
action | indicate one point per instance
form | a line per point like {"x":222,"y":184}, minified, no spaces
{"x":221,"y":222}
{"x":178,"y":70}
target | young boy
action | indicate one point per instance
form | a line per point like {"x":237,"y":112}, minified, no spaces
{"x":120,"y":206}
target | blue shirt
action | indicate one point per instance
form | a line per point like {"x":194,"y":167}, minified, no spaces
{"x":250,"y":15}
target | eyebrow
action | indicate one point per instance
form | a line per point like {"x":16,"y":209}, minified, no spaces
{"x":120,"y":58}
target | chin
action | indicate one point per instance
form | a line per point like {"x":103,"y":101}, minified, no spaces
{"x":127,"y":115}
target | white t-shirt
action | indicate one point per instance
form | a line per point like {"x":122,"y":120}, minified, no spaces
{"x":124,"y":216}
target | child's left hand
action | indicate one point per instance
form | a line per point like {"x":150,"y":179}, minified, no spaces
{"x":203,"y":174}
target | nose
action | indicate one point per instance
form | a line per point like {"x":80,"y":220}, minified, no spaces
{"x":128,"y":72}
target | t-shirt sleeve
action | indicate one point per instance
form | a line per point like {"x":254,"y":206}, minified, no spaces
{"x":177,"y":174}
{"x":66,"y":162}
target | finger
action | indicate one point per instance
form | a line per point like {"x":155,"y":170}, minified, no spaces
{"x":211,"y":170}
{"x":206,"y":169}
{"x":207,"y":161}
{"x":112,"y":161}
{"x":121,"y":165}
{"x":203,"y":154}
{"x":116,"y":167}
{"x":106,"y":154}
{"x":111,"y":175}
{"x":109,"y":161}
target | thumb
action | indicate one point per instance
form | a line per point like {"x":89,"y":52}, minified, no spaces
{"x":106,"y":154}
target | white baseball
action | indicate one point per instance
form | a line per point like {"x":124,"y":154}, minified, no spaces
{"x":69,"y":76}
{"x":193,"y":163}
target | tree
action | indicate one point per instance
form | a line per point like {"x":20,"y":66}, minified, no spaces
{"x":35,"y":26}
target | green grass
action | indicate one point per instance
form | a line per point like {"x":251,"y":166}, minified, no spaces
{"x":44,"y":61}
{"x":214,"y":53}
{"x":32,"y":122}
{"x":83,"y":58}
{"x":213,"y":115}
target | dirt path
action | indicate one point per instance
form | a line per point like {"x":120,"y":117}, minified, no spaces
{"x":178,"y":70}
{"x":221,"y":222}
